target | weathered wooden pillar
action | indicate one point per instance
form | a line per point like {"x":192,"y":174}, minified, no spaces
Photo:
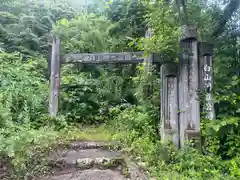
{"x":169,"y":104}
{"x":189,"y":105}
{"x":54,"y":78}
{"x":148,"y":63}
{"x":206,"y":78}
{"x":49,"y":61}
{"x":148,"y":60}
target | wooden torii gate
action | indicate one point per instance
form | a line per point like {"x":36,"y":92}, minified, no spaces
{"x":84,"y":58}
{"x":180,"y":84}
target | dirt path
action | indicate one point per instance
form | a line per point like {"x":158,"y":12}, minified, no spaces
{"x":91,"y":161}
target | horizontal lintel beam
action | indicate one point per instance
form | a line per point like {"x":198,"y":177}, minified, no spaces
{"x":101,"y":58}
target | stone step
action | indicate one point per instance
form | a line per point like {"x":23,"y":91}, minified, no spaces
{"x":92,"y":145}
{"x":91,"y":161}
{"x":93,"y":174}
{"x":86,"y":158}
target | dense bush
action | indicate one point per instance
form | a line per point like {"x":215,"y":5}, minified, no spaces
{"x":23,"y":89}
{"x":21,"y":150}
{"x":23,"y":102}
{"x":136,"y":132}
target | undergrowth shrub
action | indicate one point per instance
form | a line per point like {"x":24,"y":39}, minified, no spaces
{"x":222,"y":137}
{"x":23,"y":90}
{"x":22,"y":150}
{"x":79,"y":101}
{"x":95,"y":89}
{"x":25,"y":128}
{"x":135,"y":128}
{"x":135,"y":118}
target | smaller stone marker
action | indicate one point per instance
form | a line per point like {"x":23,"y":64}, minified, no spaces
{"x":206,"y":78}
{"x":169,"y":104}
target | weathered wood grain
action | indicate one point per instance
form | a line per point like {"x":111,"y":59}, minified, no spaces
{"x":148,"y":64}
{"x":101,"y":58}
{"x":54,"y":78}
{"x":148,"y":60}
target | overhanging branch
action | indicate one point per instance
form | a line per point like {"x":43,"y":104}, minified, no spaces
{"x":232,"y":6}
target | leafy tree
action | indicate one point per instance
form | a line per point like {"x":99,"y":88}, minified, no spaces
{"x":26,"y":27}
{"x":87,"y":33}
{"x":130,"y":15}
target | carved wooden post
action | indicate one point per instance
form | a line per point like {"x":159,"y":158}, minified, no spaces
{"x":189,"y":105}
{"x":206,"y":78}
{"x":55,"y":78}
{"x":169,"y":104}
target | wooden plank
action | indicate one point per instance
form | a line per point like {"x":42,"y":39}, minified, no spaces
{"x":54,"y":78}
{"x":101,"y":58}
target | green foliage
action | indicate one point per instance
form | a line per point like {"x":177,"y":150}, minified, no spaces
{"x":23,"y":91}
{"x":222,"y":137}
{"x":135,"y":130}
{"x":23,"y":100}
{"x":96,"y":91}
{"x":89,"y":86}
{"x":136,"y":119}
{"x":23,"y":115}
{"x":21,"y":149}
{"x":95,"y":94}
{"x":162,"y":21}
{"x":130,"y":16}
{"x":26,"y":27}
{"x":190,"y":164}
{"x":227,"y":90}
{"x":141,"y":83}
{"x":86,"y":33}
{"x":79,"y":88}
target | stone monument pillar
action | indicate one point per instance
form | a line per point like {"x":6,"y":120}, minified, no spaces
{"x":189,"y":104}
